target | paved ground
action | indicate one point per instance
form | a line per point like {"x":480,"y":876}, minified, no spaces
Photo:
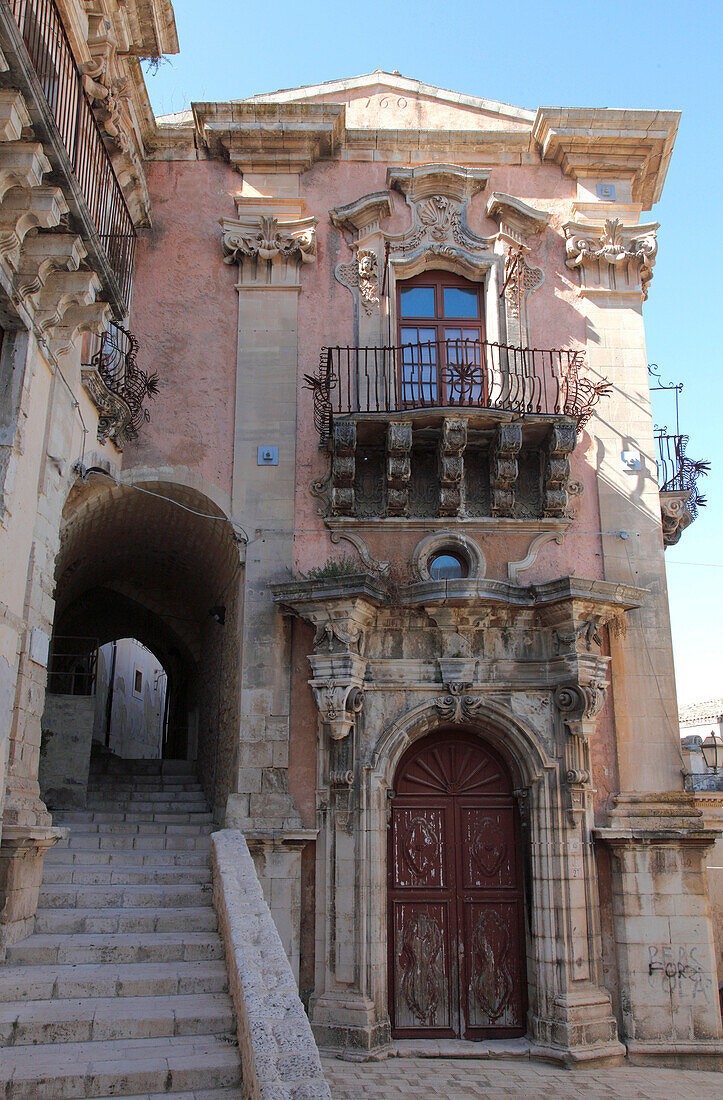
{"x":452,"y":1079}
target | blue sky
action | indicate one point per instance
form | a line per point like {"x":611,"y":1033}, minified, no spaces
{"x":612,"y":54}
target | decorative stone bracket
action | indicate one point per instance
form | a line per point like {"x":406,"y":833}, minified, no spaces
{"x":341,"y":609}
{"x":337,"y":685}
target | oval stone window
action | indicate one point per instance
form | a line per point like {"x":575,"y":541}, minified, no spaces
{"x":448,"y":565}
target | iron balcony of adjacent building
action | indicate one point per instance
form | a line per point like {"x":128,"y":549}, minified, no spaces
{"x":484,"y":380}
{"x":41,"y":64}
{"x":680,"y":496}
{"x":117,"y":386}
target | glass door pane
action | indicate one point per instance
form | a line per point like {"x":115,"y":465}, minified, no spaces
{"x":419,"y":366}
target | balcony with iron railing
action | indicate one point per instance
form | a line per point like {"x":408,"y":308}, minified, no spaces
{"x":472,"y":376}
{"x":454,"y":428}
{"x":117,"y":385}
{"x":680,"y":495}
{"x":60,"y":108}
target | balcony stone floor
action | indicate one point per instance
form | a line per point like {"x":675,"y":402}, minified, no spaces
{"x":415,"y":1078}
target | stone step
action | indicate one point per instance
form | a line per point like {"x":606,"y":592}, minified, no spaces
{"x":136,"y":828}
{"x":134,"y":795}
{"x":72,"y":818}
{"x":75,"y":896}
{"x":197,"y":1094}
{"x":63,"y":1071}
{"x":41,"y":983}
{"x":46,"y":949}
{"x":102,"y":1019}
{"x":145,"y":806}
{"x":97,"y":857}
{"x":127,"y":876}
{"x":196,"y":841}
{"x":64,"y":921}
{"x":143,"y":783}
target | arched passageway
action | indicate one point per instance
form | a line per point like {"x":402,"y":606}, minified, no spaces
{"x":455,"y":899}
{"x":159,"y":563}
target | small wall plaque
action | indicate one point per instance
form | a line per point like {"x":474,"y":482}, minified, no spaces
{"x":268,"y":456}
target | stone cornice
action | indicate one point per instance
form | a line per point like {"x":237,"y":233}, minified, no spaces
{"x":362,"y":214}
{"x":600,"y":142}
{"x":286,"y":137}
{"x":426,"y":180}
{"x":295,"y":594}
{"x":515,"y":218}
{"x":603,"y":595}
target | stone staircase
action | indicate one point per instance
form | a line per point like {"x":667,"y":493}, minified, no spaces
{"x":122,"y":989}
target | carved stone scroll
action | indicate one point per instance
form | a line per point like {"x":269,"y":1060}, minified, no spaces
{"x":260,"y":243}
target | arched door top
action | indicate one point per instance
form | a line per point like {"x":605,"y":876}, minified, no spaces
{"x":452,"y":763}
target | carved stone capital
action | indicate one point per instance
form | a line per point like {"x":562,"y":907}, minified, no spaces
{"x":612,"y":256}
{"x":363,"y":215}
{"x":263,"y":240}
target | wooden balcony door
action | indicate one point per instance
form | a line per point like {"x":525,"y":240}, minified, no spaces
{"x":454,"y":895}
{"x":441,"y":336}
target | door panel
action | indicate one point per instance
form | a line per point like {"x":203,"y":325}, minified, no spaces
{"x":492,"y":1001}
{"x":424,"y":997}
{"x":455,"y":901}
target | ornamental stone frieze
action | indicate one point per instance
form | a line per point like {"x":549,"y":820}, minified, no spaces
{"x":267,"y":249}
{"x":612,"y":256}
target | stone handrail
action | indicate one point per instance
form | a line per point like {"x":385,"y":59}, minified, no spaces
{"x":279,"y":1057}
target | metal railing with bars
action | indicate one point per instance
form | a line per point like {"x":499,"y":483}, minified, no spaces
{"x":114,"y":357}
{"x":51,"y":56}
{"x":462,"y":374}
{"x":72,"y":665}
{"x":677,"y":472}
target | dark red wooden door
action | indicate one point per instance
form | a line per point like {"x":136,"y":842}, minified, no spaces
{"x":455,"y":899}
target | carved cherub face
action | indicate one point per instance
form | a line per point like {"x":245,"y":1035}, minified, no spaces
{"x":367,"y":263}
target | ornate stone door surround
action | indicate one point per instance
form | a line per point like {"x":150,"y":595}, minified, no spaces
{"x":438,"y":197}
{"x":533,"y":689}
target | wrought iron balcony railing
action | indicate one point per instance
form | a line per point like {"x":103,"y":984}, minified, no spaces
{"x":677,"y":472}
{"x":118,"y":385}
{"x":462,"y":374}
{"x":49,"y":51}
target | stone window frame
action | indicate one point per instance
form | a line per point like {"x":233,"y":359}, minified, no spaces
{"x":452,"y":542}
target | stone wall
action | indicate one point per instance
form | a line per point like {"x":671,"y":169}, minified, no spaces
{"x":65,"y":750}
{"x":278,"y":1053}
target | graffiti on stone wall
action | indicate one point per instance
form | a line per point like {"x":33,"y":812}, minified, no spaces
{"x":678,"y":970}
